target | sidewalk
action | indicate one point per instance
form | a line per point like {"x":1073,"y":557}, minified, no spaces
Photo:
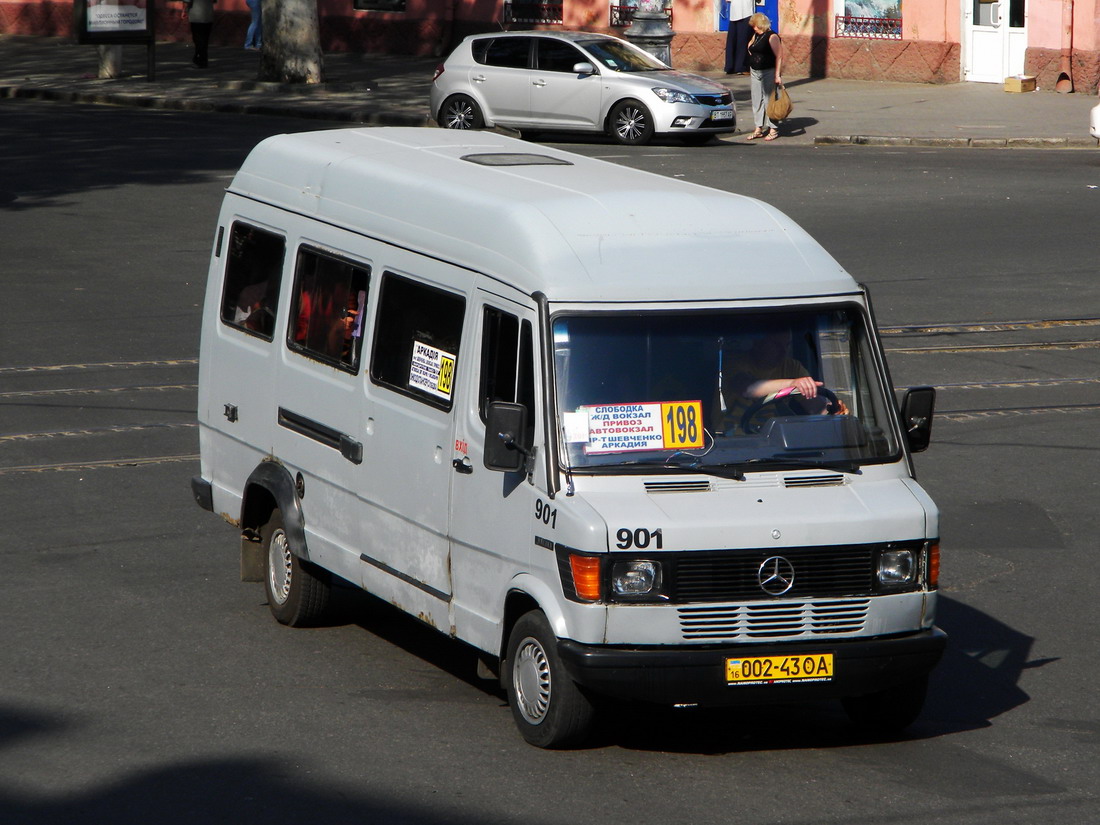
{"x":392,"y":90}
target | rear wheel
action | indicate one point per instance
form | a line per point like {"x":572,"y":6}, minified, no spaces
{"x":630,"y":123}
{"x":549,"y":708}
{"x":297,"y":592}
{"x":888,"y":711}
{"x":460,"y":112}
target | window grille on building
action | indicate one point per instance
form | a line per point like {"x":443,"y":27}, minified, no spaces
{"x":538,"y":13}
{"x":875,"y":28}
{"x":623,"y":16}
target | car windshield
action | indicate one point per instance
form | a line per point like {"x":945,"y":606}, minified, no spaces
{"x":621,"y":57}
{"x":713,"y":392}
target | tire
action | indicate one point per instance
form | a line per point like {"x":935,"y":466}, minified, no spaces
{"x":630,"y":123}
{"x":298,"y":592}
{"x":460,"y":112}
{"x":888,"y":711}
{"x":549,"y":708}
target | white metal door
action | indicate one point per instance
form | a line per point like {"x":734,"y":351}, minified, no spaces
{"x":493,"y":514}
{"x":996,"y":39}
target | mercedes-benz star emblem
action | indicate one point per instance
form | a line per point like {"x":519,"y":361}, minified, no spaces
{"x":776,"y":576}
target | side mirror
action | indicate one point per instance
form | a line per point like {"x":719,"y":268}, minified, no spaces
{"x":584,"y":68}
{"x":916,"y":416}
{"x":505,"y":434}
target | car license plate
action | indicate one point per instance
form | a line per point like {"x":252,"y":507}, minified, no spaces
{"x":722,"y":114}
{"x":779,"y":670}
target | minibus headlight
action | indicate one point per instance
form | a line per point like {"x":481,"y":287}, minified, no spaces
{"x":636,"y":579}
{"x":897,"y":567}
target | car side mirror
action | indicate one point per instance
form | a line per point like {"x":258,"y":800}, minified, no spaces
{"x":917,"y":409}
{"x":505,"y":437}
{"x":584,"y":68}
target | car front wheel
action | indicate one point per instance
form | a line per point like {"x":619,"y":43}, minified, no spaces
{"x":460,"y":112}
{"x":630,"y":123}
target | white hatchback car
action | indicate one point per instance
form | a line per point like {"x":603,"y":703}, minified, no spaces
{"x":578,"y":82}
{"x":1094,"y":121}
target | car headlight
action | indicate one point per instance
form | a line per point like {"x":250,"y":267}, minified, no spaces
{"x":636,"y":579}
{"x":674,"y":95}
{"x":897,"y":567}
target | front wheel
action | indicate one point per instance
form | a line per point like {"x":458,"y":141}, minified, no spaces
{"x":888,"y":711}
{"x":297,"y":592}
{"x":630,"y":123}
{"x":460,"y":112}
{"x":549,"y":708}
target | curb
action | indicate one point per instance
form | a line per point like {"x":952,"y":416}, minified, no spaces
{"x":182,"y":104}
{"x":958,"y":143}
{"x":345,"y":113}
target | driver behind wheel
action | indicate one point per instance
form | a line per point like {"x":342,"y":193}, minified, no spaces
{"x":767,"y":371}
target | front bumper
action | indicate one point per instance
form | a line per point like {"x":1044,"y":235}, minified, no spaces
{"x":679,"y":118}
{"x":693,"y":675}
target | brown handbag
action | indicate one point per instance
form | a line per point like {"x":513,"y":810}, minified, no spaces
{"x":779,"y":104}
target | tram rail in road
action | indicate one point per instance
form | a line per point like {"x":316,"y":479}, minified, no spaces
{"x":81,"y":417}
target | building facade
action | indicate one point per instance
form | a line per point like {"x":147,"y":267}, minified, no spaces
{"x":905,"y":40}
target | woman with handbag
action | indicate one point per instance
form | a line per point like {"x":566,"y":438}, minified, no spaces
{"x":765,"y":72}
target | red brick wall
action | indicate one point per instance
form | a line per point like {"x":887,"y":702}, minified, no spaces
{"x":912,"y":61}
{"x":1046,"y":65}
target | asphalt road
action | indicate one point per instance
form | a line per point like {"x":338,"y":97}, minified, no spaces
{"x":141,"y":682}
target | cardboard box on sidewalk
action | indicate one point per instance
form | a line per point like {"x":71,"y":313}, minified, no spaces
{"x":1020,"y":83}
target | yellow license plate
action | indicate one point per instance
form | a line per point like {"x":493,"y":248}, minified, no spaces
{"x":779,"y":670}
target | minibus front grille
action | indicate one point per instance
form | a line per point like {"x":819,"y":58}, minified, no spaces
{"x":827,"y":480}
{"x":678,"y":486}
{"x":775,"y":620}
{"x":735,"y":575}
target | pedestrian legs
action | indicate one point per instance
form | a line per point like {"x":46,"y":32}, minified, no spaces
{"x":200,"y":33}
{"x":737,"y":45}
{"x":761,"y":87}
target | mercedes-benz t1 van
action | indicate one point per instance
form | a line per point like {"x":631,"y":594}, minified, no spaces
{"x":626,"y":436}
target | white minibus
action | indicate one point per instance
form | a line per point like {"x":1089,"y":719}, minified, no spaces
{"x":629,"y":438}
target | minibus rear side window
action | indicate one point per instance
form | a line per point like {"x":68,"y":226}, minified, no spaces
{"x":416,"y":340}
{"x":330,"y":300}
{"x":253,"y":271}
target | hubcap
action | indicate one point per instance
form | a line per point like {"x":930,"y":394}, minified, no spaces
{"x":279,"y":567}
{"x":631,"y":124}
{"x":531,"y":679}
{"x":460,"y":116}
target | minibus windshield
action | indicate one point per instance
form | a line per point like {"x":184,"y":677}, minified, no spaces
{"x":720,"y":392}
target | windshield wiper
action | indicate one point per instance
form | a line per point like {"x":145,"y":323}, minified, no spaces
{"x":841,"y":465}
{"x":694,"y":465}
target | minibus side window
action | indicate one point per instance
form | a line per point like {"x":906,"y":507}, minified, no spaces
{"x":525,"y":381}
{"x":330,"y":299}
{"x":416,"y":340}
{"x":253,"y":271}
{"x":507,"y":364}
{"x":499,"y":349}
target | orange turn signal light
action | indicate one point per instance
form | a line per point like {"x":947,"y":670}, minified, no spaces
{"x":586,"y":576}
{"x":934,"y":564}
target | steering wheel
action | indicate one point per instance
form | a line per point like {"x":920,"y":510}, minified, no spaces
{"x":793,"y":402}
